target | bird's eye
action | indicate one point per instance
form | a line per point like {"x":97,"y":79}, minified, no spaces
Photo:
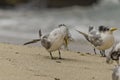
{"x":107,"y":29}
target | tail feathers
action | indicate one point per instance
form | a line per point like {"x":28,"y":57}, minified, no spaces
{"x":40,"y":33}
{"x":84,"y":34}
{"x":33,"y":41}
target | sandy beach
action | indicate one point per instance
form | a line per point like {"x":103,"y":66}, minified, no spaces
{"x":19,"y":62}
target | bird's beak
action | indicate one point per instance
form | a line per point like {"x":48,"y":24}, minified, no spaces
{"x":113,"y":29}
{"x":66,"y":41}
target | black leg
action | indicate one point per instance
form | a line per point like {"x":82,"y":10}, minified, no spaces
{"x":102,"y":52}
{"x":59,"y":54}
{"x":51,"y":55}
{"x":95,"y":51}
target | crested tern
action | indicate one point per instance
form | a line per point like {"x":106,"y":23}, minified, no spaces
{"x":101,"y":40}
{"x":114,"y":54}
{"x":54,"y":40}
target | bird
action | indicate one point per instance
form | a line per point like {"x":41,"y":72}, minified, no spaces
{"x":92,"y":31}
{"x":116,"y":73}
{"x":114,"y":54}
{"x":54,"y":40}
{"x":102,"y":39}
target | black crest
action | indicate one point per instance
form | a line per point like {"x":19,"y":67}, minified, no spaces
{"x":61,"y":25}
{"x":103,"y":29}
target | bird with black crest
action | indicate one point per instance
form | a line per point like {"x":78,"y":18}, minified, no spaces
{"x":102,"y":40}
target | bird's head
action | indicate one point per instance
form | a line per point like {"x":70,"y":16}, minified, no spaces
{"x":107,"y":29}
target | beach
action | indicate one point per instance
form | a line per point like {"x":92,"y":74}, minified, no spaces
{"x":18,"y":62}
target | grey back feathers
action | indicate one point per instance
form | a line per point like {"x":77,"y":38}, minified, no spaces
{"x":95,"y":37}
{"x":92,"y":37}
{"x":45,"y":43}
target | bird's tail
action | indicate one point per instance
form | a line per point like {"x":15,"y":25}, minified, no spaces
{"x":34,"y":40}
{"x":84,"y":34}
{"x":40,"y":33}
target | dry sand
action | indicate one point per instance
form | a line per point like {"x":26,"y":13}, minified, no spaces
{"x":19,"y":62}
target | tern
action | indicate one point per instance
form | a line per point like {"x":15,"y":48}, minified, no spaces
{"x":101,"y":40}
{"x":114,"y":54}
{"x":54,"y":40}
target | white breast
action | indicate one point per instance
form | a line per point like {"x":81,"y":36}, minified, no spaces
{"x":108,"y":41}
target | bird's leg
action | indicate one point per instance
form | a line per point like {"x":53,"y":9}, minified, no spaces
{"x":51,"y":55}
{"x":102,"y":52}
{"x":95,"y":51}
{"x":59,"y":54}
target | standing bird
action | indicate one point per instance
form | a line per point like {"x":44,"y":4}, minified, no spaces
{"x":101,"y":40}
{"x":116,"y":73}
{"x":114,"y":54}
{"x":54,"y":40}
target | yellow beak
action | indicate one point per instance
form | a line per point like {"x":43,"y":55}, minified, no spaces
{"x":66,"y":41}
{"x":113,"y":29}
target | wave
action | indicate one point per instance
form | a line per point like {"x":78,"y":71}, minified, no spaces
{"x":26,"y":24}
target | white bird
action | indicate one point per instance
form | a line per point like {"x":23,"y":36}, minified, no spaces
{"x":116,"y":73}
{"x":101,"y":40}
{"x":54,"y":40}
{"x":114,"y":54}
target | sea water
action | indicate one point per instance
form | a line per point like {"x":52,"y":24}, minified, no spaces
{"x":20,"y":25}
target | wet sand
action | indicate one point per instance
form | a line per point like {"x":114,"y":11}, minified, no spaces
{"x":19,"y":62}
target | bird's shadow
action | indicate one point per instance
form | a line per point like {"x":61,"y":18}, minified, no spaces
{"x":62,"y":59}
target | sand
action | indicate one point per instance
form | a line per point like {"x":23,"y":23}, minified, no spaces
{"x":19,"y":62}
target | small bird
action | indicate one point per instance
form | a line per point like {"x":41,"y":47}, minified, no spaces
{"x":116,"y":73}
{"x":54,"y":40}
{"x":114,"y":54}
{"x":101,"y":40}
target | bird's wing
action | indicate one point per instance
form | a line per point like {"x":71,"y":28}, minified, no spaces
{"x":84,"y":34}
{"x":94,"y":39}
{"x":45,"y":42}
{"x":33,"y":41}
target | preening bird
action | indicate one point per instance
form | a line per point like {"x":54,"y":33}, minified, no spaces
{"x":102,"y":39}
{"x":114,"y":54}
{"x":54,"y":40}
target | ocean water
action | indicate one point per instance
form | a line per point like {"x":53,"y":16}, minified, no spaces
{"x":20,"y":25}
